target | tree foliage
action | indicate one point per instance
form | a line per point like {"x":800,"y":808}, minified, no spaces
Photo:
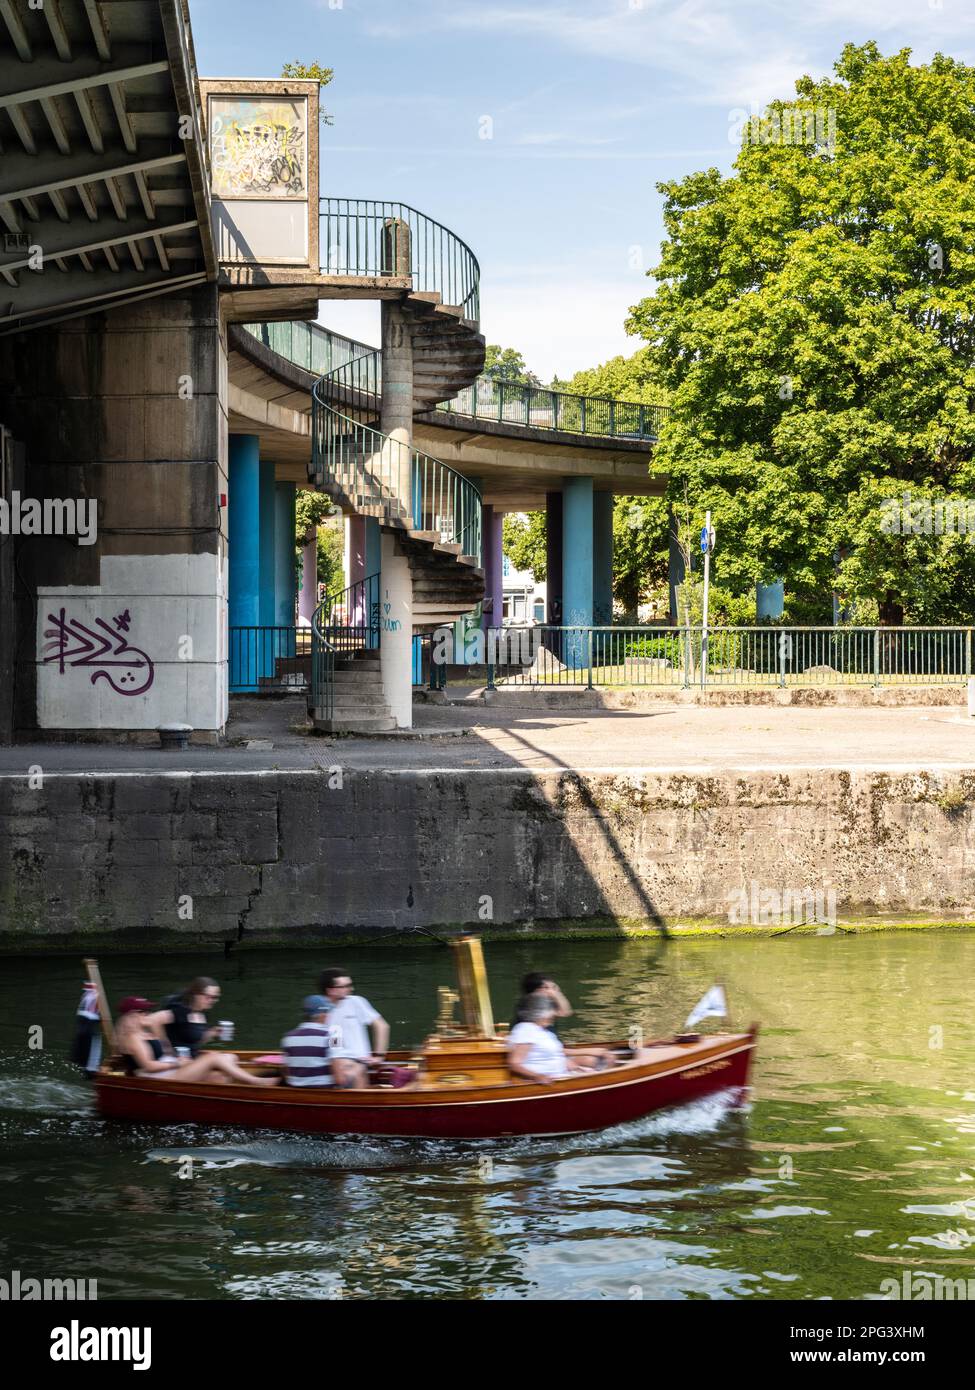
{"x":813,"y":325}
{"x":311,"y":511}
{"x":316,"y":73}
{"x":507,"y":364}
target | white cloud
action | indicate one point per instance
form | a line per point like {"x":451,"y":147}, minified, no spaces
{"x":716,"y":51}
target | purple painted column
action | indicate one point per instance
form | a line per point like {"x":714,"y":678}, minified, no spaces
{"x":491,"y":527}
{"x":308,"y":593}
{"x":357,"y":549}
{"x":357,"y":568}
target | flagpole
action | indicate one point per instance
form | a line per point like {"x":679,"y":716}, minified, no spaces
{"x":104,"y":1013}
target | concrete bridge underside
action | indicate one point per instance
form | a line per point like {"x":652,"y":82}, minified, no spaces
{"x":517,"y":467}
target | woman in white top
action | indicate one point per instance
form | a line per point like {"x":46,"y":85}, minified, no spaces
{"x":534,"y":1051}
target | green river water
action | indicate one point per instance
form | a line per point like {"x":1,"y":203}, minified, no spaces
{"x":854,"y":1162}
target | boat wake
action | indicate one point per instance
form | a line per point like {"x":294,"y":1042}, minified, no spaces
{"x":37,"y":1097}
{"x":351,"y":1153}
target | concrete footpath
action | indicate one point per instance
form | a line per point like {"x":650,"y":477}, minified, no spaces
{"x":471,"y":737}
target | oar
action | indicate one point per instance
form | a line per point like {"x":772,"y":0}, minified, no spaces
{"x":104,"y":1013}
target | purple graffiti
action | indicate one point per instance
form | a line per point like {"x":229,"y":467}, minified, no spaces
{"x":95,"y":649}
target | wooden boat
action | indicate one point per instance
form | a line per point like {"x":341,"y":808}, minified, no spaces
{"x":462,"y":1089}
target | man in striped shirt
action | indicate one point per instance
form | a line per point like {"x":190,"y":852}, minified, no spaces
{"x":306,"y":1047}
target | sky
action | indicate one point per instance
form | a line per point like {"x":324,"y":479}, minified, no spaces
{"x":538,"y":130}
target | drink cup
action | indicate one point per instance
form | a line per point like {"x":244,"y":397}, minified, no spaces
{"x":183,"y":1053}
{"x":226,"y":1030}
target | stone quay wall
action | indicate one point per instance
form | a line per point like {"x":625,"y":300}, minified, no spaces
{"x":174,"y":860}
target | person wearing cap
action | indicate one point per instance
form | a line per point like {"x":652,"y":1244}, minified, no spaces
{"x":140,"y":1041}
{"x":305,"y":1048}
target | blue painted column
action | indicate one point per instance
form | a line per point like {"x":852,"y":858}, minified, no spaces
{"x":284,"y":568}
{"x":553,"y":570}
{"x":769,"y":601}
{"x":602,"y":559}
{"x":266,"y":582}
{"x":577,"y":552}
{"x":243,"y":560}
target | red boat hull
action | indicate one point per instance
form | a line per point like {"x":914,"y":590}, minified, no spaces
{"x":572,"y":1106}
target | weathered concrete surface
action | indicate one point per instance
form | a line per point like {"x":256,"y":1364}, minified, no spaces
{"x":668,"y":738}
{"x":288,"y":856}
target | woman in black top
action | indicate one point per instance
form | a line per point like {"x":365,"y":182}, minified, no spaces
{"x":138,"y":1039}
{"x":185,"y":1015}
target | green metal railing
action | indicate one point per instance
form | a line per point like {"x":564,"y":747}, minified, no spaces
{"x":343,"y":623}
{"x":373,"y":474}
{"x":742,"y":657}
{"x":319,"y":351}
{"x":539,"y":408}
{"x":371,"y":238}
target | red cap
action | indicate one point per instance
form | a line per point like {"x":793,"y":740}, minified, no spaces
{"x":135,"y":1004}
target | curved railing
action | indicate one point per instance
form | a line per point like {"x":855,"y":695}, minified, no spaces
{"x":371,"y":238}
{"x":384,"y":477}
{"x":342,"y":624}
{"x":318,"y":350}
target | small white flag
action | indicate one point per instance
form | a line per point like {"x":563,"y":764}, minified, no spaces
{"x":713,"y":1005}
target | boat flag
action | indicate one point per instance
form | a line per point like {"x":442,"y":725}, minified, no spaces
{"x":713,"y":1005}
{"x":86,"y":1050}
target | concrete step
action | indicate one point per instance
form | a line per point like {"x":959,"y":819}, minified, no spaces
{"x":338,"y":724}
{"x":360,"y":709}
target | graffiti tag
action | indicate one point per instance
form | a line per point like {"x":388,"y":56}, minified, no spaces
{"x":74,"y":644}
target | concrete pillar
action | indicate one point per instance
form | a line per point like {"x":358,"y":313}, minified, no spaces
{"x":675,"y":566}
{"x":602,"y":559}
{"x":284,"y":554}
{"x":769,"y":601}
{"x":396,"y":414}
{"x":492,"y":524}
{"x":266,"y":530}
{"x":308,"y":592}
{"x":355,"y":527}
{"x":284,"y":569}
{"x":244,"y":560}
{"x":243,"y":505}
{"x":266,"y":542}
{"x":577,"y":552}
{"x":396,"y":624}
{"x":373,"y":565}
{"x":553,"y":558}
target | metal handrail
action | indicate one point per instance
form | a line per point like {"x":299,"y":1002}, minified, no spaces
{"x":384,"y":477}
{"x":343,"y":623}
{"x":317,"y":349}
{"x":361,"y":237}
{"x":760,"y":655}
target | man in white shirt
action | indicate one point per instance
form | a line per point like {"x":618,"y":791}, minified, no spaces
{"x":534,"y":1051}
{"x":350,"y":1021}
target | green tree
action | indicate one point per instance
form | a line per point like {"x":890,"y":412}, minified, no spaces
{"x":814,"y":324}
{"x":507,"y":364}
{"x":634,"y":378}
{"x":312,"y":509}
{"x":316,"y":73}
{"x":523,"y":541}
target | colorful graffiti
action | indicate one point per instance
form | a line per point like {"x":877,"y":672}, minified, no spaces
{"x":257,"y":147}
{"x":74,"y":644}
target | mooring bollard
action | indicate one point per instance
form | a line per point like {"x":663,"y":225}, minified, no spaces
{"x":174,"y":737}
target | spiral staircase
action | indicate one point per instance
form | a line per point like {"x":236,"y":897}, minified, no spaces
{"x":433,"y":512}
